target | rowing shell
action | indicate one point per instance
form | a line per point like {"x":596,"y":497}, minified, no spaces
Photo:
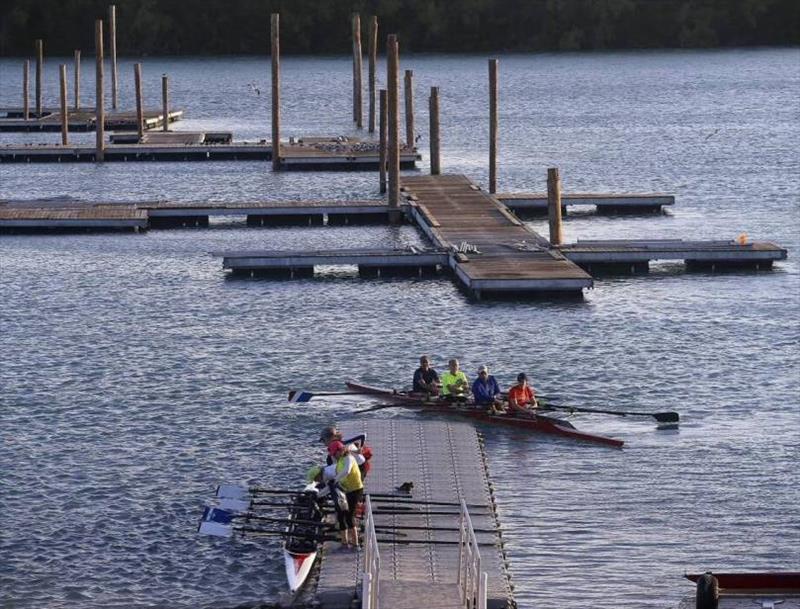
{"x":300,"y":552}
{"x":534,"y":422}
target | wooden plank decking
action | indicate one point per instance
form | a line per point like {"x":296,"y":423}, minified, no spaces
{"x":445,"y":461}
{"x":510,"y":257}
{"x":83,"y":119}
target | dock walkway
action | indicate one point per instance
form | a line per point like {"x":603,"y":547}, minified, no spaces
{"x":509,"y":256}
{"x":446,"y":463}
{"x":83,"y":119}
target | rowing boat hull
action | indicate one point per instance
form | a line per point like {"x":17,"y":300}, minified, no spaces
{"x":540,"y":423}
{"x":298,"y":566}
{"x":300,"y":552}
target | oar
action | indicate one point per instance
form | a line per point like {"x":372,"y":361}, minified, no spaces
{"x":661,"y":417}
{"x":380,"y":407}
{"x":302,"y":395}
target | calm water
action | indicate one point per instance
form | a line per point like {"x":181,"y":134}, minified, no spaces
{"x":135,"y":375}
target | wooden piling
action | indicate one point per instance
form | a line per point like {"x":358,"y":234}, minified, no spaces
{"x":77,"y":82}
{"x":112,"y":50}
{"x":100,"y":112}
{"x":357,"y":72}
{"x":137,"y":78}
{"x":276,"y":90}
{"x":39,"y":75}
{"x":372,"y":50}
{"x":393,"y":145}
{"x":26,"y":76}
{"x":62,"y":73}
{"x":382,"y":128}
{"x":554,"y":205}
{"x":408,"y":83}
{"x":165,"y":101}
{"x":493,"y":126}
{"x":433,"y":110}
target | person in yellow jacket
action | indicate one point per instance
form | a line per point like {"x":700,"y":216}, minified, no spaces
{"x":348,"y":478}
{"x":455,"y":385}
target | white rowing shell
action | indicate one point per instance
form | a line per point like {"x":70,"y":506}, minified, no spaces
{"x":298,"y":566}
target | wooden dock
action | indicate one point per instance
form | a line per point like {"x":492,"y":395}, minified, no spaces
{"x":447,"y":463}
{"x":498,"y":253}
{"x":12,"y":120}
{"x":536,"y":203}
{"x":179,"y":147}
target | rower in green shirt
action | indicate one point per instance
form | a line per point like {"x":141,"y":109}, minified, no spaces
{"x":455,"y":385}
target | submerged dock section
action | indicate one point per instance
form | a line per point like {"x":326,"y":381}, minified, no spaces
{"x":418,"y":551}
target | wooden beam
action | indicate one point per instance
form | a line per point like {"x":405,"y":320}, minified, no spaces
{"x":26,"y":76}
{"x":392,"y":65}
{"x":276,"y":90}
{"x":493,"y":126}
{"x":433,"y":110}
{"x":39,"y":75}
{"x":165,"y":101}
{"x":62,"y":74}
{"x":77,"y":83}
{"x":137,"y":79}
{"x":408,"y":83}
{"x":383,"y":143}
{"x":372,"y":50}
{"x":112,"y":50}
{"x":100,"y":112}
{"x":554,"y":206}
{"x":357,"y":73}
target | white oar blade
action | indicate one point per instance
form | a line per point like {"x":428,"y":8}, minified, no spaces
{"x":215,"y":529}
{"x":234,"y":505}
{"x":300,"y":396}
{"x":233,"y":491}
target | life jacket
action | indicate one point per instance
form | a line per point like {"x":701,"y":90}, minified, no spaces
{"x":352,"y":481}
{"x":366,"y":452}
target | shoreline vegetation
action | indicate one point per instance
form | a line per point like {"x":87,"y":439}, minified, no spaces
{"x":241,"y":27}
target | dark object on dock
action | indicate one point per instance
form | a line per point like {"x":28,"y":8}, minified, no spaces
{"x":769,"y":590}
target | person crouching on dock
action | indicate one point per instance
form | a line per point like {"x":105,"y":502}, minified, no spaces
{"x":426,"y":379}
{"x":348,"y":478}
{"x":521,"y":398}
{"x":455,"y":385}
{"x":486,"y":392}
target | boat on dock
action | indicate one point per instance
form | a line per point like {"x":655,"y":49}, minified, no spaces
{"x":301,"y":545}
{"x":733,"y":590}
{"x":534,"y":422}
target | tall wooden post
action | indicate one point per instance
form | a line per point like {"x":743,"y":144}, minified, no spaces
{"x":433,"y":110}
{"x":165,"y":101}
{"x":112,"y":50}
{"x":382,"y":128}
{"x":357,"y":72}
{"x":276,"y":91}
{"x":77,"y":79}
{"x":372,"y":50}
{"x":492,"y":126}
{"x":39,"y":75}
{"x":62,"y":73}
{"x":408,"y":85}
{"x":393,"y":146}
{"x":137,"y":79}
{"x":26,"y":76}
{"x":554,"y":205}
{"x":100,"y":111}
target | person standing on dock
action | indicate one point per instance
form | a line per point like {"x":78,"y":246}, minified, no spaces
{"x":426,"y":379}
{"x":486,"y":391}
{"x":521,"y":397}
{"x":348,"y":478}
{"x":455,"y":384}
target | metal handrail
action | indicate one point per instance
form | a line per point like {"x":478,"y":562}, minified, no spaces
{"x":372,"y":561}
{"x":472,"y":581}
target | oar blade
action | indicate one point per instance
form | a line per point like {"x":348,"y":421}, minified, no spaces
{"x":300,"y":396}
{"x":237,"y":506}
{"x":215,"y":529}
{"x":218,"y":515}
{"x":233,"y":491}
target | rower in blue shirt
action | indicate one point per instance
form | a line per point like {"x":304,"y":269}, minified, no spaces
{"x":486,"y":391}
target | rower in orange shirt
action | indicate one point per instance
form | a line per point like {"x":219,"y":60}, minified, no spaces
{"x":521,"y":397}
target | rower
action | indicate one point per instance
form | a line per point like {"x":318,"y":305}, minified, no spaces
{"x":348,"y":478}
{"x":455,"y":385}
{"x":357,"y":446}
{"x":486,"y":391}
{"x":521,"y":397}
{"x":426,"y":379}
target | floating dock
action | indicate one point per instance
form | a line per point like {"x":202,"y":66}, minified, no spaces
{"x":536,"y":203}
{"x":447,"y":463}
{"x":83,"y":119}
{"x":330,"y":155}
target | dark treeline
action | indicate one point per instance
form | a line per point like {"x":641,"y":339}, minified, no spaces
{"x":322,"y":26}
